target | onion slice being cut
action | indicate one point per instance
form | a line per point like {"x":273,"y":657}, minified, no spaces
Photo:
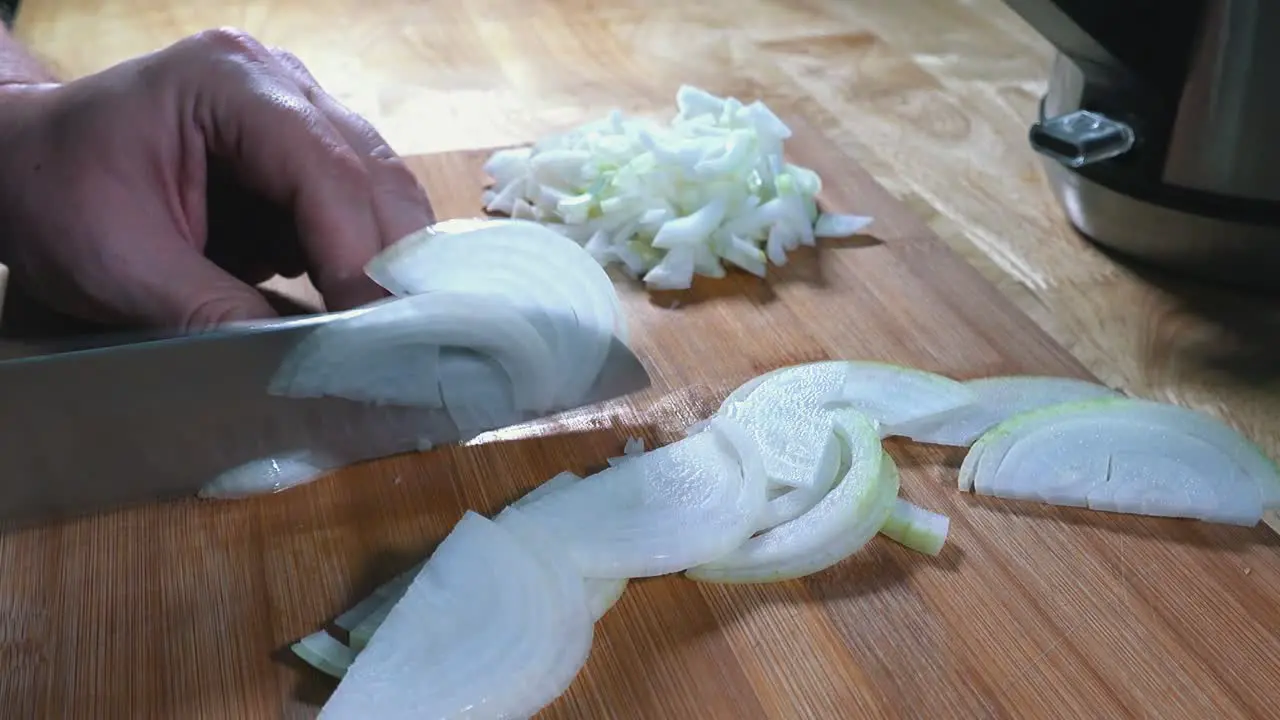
{"x":364,"y":357}
{"x":998,"y":399}
{"x":837,"y":527}
{"x":1125,"y":455}
{"x":567,"y":294}
{"x":477,"y":392}
{"x":495,"y":625}
{"x":666,"y":510}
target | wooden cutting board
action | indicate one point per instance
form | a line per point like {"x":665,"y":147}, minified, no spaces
{"x":184,"y":610}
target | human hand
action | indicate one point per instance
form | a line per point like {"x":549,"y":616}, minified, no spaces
{"x":159,"y":191}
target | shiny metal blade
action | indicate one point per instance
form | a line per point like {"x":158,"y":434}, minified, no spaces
{"x":89,"y":429}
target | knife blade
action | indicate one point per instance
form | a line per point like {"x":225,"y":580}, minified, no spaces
{"x":108,"y":423}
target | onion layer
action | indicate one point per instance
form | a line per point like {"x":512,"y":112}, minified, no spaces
{"x":998,"y":399}
{"x":1125,"y":455}
{"x":499,"y":626}
{"x":837,"y":527}
{"x":671,"y":508}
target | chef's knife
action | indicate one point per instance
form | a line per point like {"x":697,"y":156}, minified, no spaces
{"x":89,"y":428}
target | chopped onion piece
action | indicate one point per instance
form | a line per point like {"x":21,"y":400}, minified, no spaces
{"x":835,"y":225}
{"x":672,"y":201}
{"x":672,"y":508}
{"x":916,"y":528}
{"x":1125,"y":455}
{"x":323,"y":652}
{"x":837,"y":527}
{"x":496,"y":624}
{"x":265,"y":475}
{"x":998,"y":399}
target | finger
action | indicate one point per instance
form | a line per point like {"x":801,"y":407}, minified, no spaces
{"x":282,"y":146}
{"x":399,"y":201}
{"x":192,"y":293}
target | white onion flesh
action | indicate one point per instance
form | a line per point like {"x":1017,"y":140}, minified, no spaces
{"x":567,"y":295}
{"x":602,"y":593}
{"x":843,"y":522}
{"x":1128,"y":456}
{"x":323,"y":652}
{"x":364,"y":618}
{"x":672,"y":508}
{"x":495,"y":625}
{"x":477,"y":392}
{"x":914,"y":527}
{"x":265,"y":475}
{"x":671,"y":201}
{"x":388,"y":353}
{"x":998,"y":399}
{"x":789,"y":412}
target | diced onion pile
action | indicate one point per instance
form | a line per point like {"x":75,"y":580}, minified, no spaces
{"x":670,"y":201}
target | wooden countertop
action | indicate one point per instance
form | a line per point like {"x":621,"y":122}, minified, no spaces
{"x":932,"y":97}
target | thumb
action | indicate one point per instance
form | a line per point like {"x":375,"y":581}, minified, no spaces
{"x":193,"y":294}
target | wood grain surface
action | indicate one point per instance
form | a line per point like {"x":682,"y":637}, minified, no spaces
{"x":175,"y":612}
{"x":182,"y":610}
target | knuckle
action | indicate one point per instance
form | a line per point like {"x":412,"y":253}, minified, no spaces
{"x":229,"y":41}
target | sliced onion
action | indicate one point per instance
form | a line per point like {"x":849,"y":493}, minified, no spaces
{"x":362,"y":620}
{"x":354,"y":357}
{"x":495,"y":625}
{"x":1125,"y":455}
{"x":916,"y":528}
{"x":266,"y":475}
{"x":533,"y":268}
{"x":669,"y":509}
{"x":788,"y":412}
{"x":376,"y":605}
{"x":788,"y":503}
{"x":476,"y":391}
{"x":557,"y":482}
{"x":998,"y":399}
{"x":602,"y":593}
{"x":892,"y":394}
{"x":323,"y":652}
{"x":837,"y":527}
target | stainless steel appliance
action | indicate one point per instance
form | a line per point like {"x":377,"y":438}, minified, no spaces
{"x":1161,"y":129}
